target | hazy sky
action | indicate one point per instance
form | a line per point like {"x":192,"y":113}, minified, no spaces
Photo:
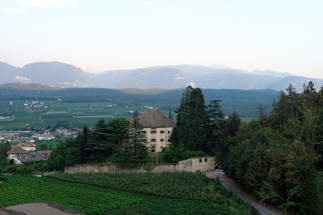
{"x":281,"y":35}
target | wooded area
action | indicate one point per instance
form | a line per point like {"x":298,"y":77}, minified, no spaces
{"x":277,"y":157}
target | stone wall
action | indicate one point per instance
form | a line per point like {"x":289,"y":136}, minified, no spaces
{"x":86,"y":168}
{"x":202,"y":164}
{"x":164,"y":168}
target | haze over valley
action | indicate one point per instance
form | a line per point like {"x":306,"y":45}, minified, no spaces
{"x":166,"y":77}
{"x":226,"y":96}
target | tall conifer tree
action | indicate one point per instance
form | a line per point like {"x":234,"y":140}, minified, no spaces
{"x":135,"y":152}
{"x":192,"y":121}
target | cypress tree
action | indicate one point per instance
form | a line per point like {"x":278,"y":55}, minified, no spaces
{"x":82,"y":139}
{"x":192,"y":121}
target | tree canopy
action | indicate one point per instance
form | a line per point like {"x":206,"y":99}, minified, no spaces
{"x":91,"y":146}
{"x":277,"y":156}
{"x":135,"y":151}
{"x":192,"y":121}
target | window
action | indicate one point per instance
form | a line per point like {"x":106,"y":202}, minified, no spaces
{"x":169,"y":132}
{"x":153,"y":149}
{"x":153,"y":140}
{"x":144,"y":132}
{"x":205,"y":160}
{"x":161,"y":139}
{"x":200,"y":160}
{"x":162,"y":132}
{"x":153,"y":132}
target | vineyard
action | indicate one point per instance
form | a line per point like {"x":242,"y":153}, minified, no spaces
{"x":128,"y":196}
{"x":169,"y":185}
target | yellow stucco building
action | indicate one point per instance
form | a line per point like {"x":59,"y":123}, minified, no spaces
{"x":157,"y":128}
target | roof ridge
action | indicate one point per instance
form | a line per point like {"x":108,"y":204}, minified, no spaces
{"x":155,"y":118}
{"x":17,"y":150}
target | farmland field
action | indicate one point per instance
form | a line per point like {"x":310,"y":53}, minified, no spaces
{"x":72,"y":113}
{"x":98,"y":199}
{"x":74,"y":102}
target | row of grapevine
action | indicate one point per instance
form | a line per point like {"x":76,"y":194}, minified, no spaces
{"x":179,"y":185}
{"x":93,"y":200}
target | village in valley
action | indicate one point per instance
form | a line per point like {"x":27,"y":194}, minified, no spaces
{"x":196,"y":142}
{"x":156,"y":126}
{"x":30,"y":145}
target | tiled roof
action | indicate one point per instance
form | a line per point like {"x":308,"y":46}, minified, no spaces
{"x":155,"y":119}
{"x":26,"y":145}
{"x":17,"y":150}
{"x":45,"y":153}
{"x":29,"y":157}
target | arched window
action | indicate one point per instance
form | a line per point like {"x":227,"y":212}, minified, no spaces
{"x":152,"y":149}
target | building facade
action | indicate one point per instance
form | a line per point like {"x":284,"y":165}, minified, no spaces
{"x":157,"y":128}
{"x":16,"y":151}
{"x":27,"y":146}
{"x":20,"y":155}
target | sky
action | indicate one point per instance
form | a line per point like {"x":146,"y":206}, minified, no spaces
{"x":100,"y":35}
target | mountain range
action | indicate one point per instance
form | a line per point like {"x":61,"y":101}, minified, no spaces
{"x":166,"y":77}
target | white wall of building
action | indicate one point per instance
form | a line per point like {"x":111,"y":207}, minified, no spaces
{"x":29,"y":148}
{"x":158,"y":138}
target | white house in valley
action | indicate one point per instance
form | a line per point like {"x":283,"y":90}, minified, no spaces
{"x":20,"y":155}
{"x":15,"y":151}
{"x":157,"y":128}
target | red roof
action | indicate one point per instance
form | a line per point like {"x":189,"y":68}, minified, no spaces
{"x":26,"y":145}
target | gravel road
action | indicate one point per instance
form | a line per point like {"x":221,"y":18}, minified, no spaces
{"x":229,"y":184}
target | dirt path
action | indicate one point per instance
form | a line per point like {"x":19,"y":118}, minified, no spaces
{"x":231,"y":185}
{"x":38,"y":208}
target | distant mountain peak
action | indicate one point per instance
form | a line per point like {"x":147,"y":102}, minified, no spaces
{"x":270,"y":73}
{"x":49,"y":73}
{"x":216,"y":76}
{"x":219,"y":66}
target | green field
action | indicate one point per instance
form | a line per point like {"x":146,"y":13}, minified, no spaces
{"x":203,"y":196}
{"x":37,"y":117}
{"x":96,"y":101}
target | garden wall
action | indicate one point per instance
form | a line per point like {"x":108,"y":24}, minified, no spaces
{"x":202,"y":164}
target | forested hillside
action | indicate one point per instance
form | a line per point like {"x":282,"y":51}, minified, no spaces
{"x":278,"y":157}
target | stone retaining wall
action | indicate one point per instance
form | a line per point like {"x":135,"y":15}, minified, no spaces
{"x":202,"y":164}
